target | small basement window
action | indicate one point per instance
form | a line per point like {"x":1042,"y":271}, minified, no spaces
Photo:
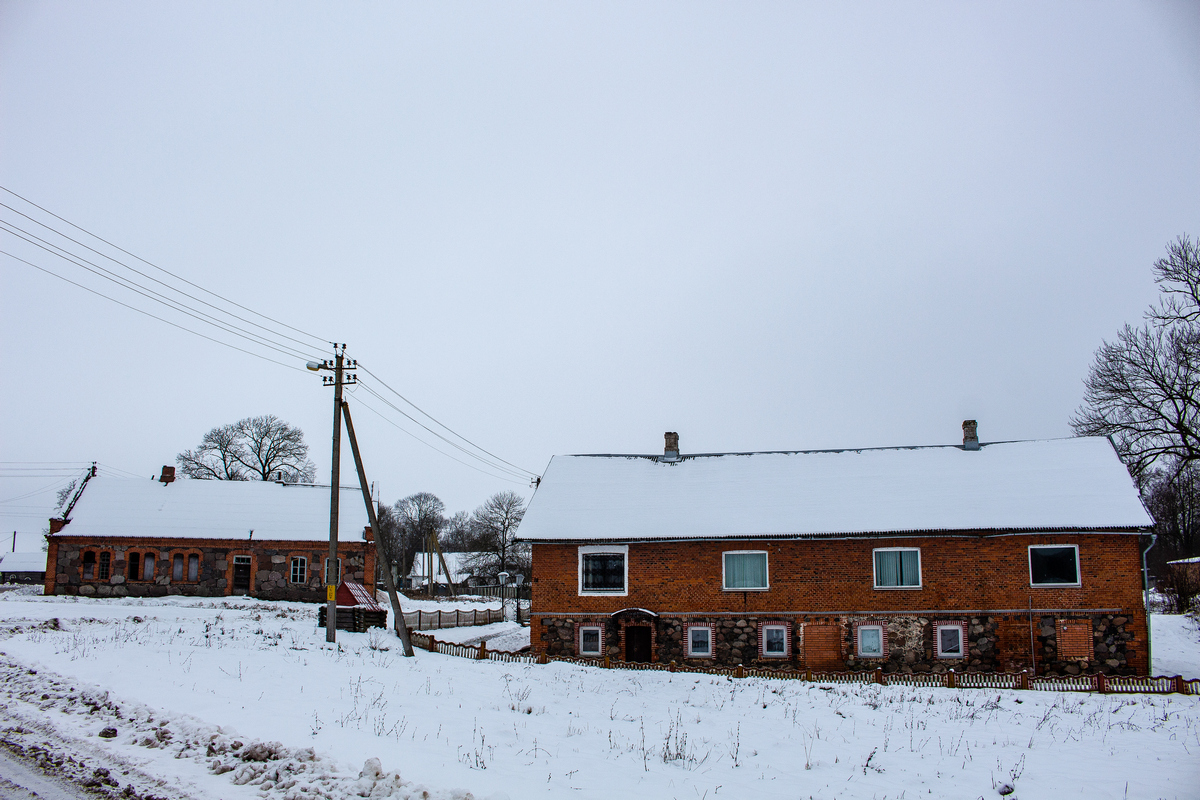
{"x":898,"y":568}
{"x":699,"y":641}
{"x":89,"y":565}
{"x":950,"y":639}
{"x":591,"y":639}
{"x":775,"y":641}
{"x":131,"y":567}
{"x":104,"y":566}
{"x":1053,"y":565}
{"x":871,"y":641}
{"x":299,"y":569}
{"x":603,"y":569}
{"x":744,"y":570}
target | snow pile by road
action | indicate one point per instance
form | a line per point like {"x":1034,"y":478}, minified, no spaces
{"x":251,"y":702}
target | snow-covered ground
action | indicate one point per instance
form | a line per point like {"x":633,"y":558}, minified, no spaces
{"x":1176,"y":645}
{"x":240,"y":698}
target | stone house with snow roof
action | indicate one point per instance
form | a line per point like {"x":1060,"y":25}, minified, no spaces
{"x":985,"y":557}
{"x":161,"y":537}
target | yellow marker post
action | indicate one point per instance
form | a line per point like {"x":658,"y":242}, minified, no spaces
{"x":330,"y":593}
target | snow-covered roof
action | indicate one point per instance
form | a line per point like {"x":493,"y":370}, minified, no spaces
{"x":1192,"y":560}
{"x":192,"y":509}
{"x":1077,"y":483}
{"x":23,"y":562}
{"x":454,"y":561}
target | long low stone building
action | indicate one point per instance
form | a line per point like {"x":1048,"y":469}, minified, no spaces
{"x":207,"y":538}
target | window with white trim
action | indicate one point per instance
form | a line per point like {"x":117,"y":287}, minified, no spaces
{"x":897,"y":568}
{"x":774,"y":641}
{"x":699,"y":641}
{"x":1054,"y":565}
{"x":870,"y":641}
{"x":604,"y":569}
{"x":331,"y":578}
{"x":744,"y":571}
{"x":299,"y":569}
{"x":591,"y":640}
{"x":950,"y":639}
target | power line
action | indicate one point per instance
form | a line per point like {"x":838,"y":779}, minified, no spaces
{"x":455,"y":445}
{"x":320,"y":339}
{"x":431,"y":447}
{"x":148,"y":314}
{"x":460,"y":436}
{"x":150,"y":294}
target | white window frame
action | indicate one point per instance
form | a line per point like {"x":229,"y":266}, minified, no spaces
{"x":302,"y":563}
{"x":858,"y":651}
{"x":1078,"y":571}
{"x":787,"y":644}
{"x":962,"y":639}
{"x":875,"y":573}
{"x":766,"y":557}
{"x":712,"y":636}
{"x":604,"y":549}
{"x":599,"y":629}
{"x":325,"y":577}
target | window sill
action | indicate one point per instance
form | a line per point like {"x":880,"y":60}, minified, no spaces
{"x":1056,"y":586}
{"x":898,"y":588}
{"x":603,"y":593}
{"x":756,"y":589}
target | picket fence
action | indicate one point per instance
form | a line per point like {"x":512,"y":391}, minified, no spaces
{"x":1104,"y":684}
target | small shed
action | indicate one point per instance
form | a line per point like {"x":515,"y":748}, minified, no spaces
{"x":23,"y":567}
{"x":357,"y":609}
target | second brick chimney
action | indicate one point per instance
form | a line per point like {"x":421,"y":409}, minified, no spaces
{"x":671,"y":450}
{"x":970,"y":435}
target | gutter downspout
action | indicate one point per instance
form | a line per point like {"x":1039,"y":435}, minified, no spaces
{"x":1146,"y":603}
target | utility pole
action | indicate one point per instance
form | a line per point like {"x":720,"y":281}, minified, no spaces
{"x":397,"y":614}
{"x":332,"y":575}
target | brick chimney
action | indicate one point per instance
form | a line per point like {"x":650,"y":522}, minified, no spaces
{"x":970,"y":435}
{"x":168,"y":474}
{"x":671,"y":450}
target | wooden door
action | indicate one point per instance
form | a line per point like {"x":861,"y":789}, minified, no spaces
{"x":637,"y":643}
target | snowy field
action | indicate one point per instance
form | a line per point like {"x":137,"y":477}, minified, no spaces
{"x":236,"y":698}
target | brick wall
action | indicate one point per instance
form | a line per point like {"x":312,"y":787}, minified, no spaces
{"x":983,"y":580}
{"x":270,"y":573}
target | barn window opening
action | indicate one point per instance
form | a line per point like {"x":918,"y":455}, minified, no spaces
{"x":89,"y":565}
{"x":299,"y":570}
{"x":775,"y":640}
{"x":1054,"y":565}
{"x":193,"y":567}
{"x":131,"y":569}
{"x":104,"y":566}
{"x":177,"y":567}
{"x":949,"y":639}
{"x":333,"y":574}
{"x":148,"y":567}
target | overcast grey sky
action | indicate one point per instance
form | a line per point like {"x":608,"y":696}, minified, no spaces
{"x":566,"y":228}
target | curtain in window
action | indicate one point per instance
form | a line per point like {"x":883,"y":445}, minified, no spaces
{"x":148,"y":567}
{"x":745,"y":570}
{"x":193,"y":567}
{"x":897,"y":568}
{"x":177,"y":567}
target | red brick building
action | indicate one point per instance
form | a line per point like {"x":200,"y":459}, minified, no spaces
{"x":984,"y":557}
{"x":208,"y":538}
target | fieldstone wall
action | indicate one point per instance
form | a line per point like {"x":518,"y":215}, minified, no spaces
{"x":1111,"y":653}
{"x":911,"y":646}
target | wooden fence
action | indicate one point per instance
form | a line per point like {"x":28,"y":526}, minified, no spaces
{"x":1104,"y":684}
{"x":436,"y":620}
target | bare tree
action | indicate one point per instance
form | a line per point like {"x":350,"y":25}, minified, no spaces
{"x":418,"y":516}
{"x":459,"y":535}
{"x":1173,"y":499}
{"x":1143,"y":389}
{"x":256,"y":448}
{"x":495,"y":523}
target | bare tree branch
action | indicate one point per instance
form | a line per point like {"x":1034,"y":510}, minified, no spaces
{"x":256,"y":448}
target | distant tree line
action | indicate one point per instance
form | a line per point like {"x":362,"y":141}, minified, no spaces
{"x":487,"y":533}
{"x":1143,"y":391}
